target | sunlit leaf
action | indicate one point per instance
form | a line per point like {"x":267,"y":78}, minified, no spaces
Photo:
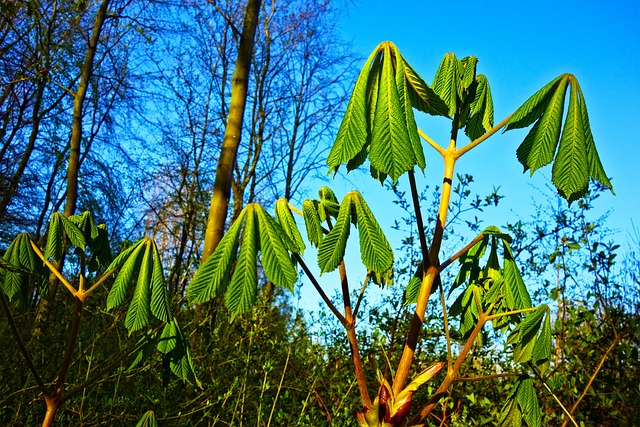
{"x":213,"y":275}
{"x":332,"y":248}
{"x":276,"y":261}
{"x":243,"y":287}
{"x":390,"y":151}
{"x":139,"y":312}
{"x":130,"y":261}
{"x":289,"y":226}
{"x":375,"y":249}
{"x":353,"y":131}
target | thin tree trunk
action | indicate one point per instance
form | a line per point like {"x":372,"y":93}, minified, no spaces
{"x":224,"y":171}
{"x":80,"y":95}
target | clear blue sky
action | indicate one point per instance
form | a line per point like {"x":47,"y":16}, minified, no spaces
{"x":521,"y":47}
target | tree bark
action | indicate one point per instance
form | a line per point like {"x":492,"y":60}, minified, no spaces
{"x":224,"y":171}
{"x":80,"y":95}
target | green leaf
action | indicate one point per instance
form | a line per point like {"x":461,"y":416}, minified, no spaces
{"x":542,"y":349}
{"x":160,"y":299}
{"x":73,"y":232}
{"x":213,"y":275}
{"x":539,"y":147}
{"x":20,"y":264}
{"x":528,"y":402}
{"x":595,"y":166}
{"x":516,"y":292}
{"x":148,"y":420}
{"x":130,"y":260}
{"x":407,"y":111}
{"x":275,"y":258}
{"x":412,"y":290}
{"x":570,"y":172}
{"x":331,"y":249}
{"x":577,"y":159}
{"x":55,"y":238}
{"x":468,"y":75}
{"x":175,"y":348}
{"x":390,"y":151}
{"x":533,"y":108}
{"x":86,"y":225}
{"x":375,"y":249}
{"x":243,"y":287}
{"x":139,"y":312}
{"x":446,"y":82}
{"x":312,"y":222}
{"x":353,"y":131}
{"x":289,"y":226}
{"x":124,"y":255}
{"x":422,"y":96}
{"x":481,"y":110}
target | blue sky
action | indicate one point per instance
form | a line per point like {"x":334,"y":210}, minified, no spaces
{"x":521,"y":47}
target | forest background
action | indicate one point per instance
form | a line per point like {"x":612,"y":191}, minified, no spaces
{"x":147,"y":141}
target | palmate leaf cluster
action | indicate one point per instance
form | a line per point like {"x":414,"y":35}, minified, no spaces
{"x":232,"y":270}
{"x":140,"y":267}
{"x":253,"y":231}
{"x":570,"y":147}
{"x":379,"y":123}
{"x":467,"y":95}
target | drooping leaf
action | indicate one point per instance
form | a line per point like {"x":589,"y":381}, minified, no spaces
{"x":576,"y":160}
{"x":595,"y":166}
{"x":353,"y":131}
{"x":130,"y":260}
{"x":422,"y":96}
{"x":446,"y":82}
{"x":275,"y":259}
{"x":528,"y":402}
{"x":243,"y":287}
{"x":20,"y":266}
{"x":312,"y":222}
{"x":331,"y":249}
{"x":139,"y":312}
{"x":73,"y":232}
{"x":213,"y":275}
{"x":86,"y":225}
{"x":534,"y":107}
{"x":160,"y":300}
{"x":570,"y":172}
{"x":55,"y":238}
{"x":289,"y":226}
{"x":174,"y":346}
{"x":542,"y":348}
{"x":516,"y":292}
{"x":539,"y":147}
{"x":481,"y":110}
{"x":390,"y":151}
{"x":407,"y":111}
{"x":375,"y":249}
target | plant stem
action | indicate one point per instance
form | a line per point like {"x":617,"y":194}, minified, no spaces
{"x":452,"y":373}
{"x":353,"y":339}
{"x":430,"y":266}
{"x":71,"y":345}
{"x":487,"y":135}
{"x":316,"y":285}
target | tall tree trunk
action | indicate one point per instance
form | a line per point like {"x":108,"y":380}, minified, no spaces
{"x":233,"y":132}
{"x":76,"y":127}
